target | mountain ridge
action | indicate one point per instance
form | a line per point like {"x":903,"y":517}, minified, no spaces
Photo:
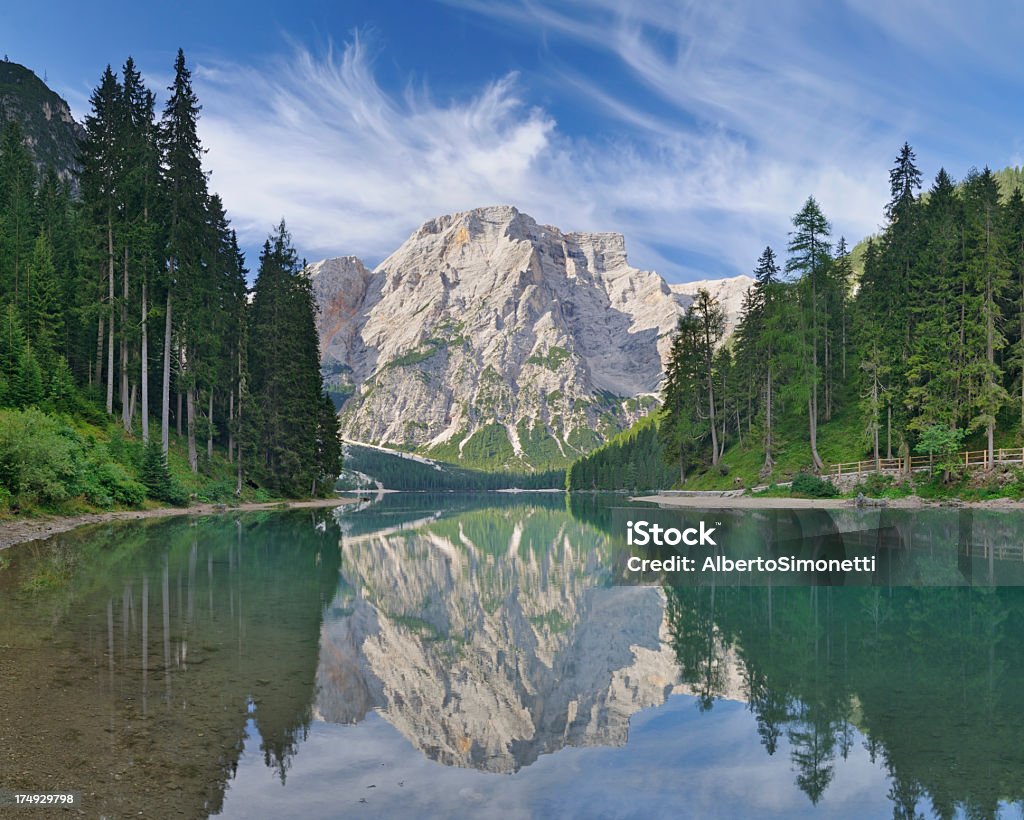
{"x":491,"y":340}
{"x":51,"y":132}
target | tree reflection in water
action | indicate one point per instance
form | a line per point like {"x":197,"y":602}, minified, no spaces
{"x":931,"y":678}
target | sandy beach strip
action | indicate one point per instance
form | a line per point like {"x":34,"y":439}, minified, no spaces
{"x":16,"y":531}
{"x":753,"y":502}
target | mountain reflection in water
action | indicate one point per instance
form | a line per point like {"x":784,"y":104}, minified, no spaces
{"x":469,"y":656}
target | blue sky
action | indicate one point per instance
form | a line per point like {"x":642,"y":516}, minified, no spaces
{"x":696,"y":129}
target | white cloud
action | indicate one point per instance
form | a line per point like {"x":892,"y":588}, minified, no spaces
{"x":354,"y":169}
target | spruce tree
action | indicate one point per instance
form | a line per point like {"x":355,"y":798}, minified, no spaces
{"x":284,"y":364}
{"x":185,"y":200}
{"x":44,"y":317}
{"x":102,"y":163}
{"x":809,"y":256}
{"x":17,"y":212}
{"x":681,"y":429}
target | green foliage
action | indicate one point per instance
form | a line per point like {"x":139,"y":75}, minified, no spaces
{"x":488,"y":446}
{"x":397,"y":472}
{"x":155,"y":475}
{"x":942,"y":445}
{"x":41,"y":460}
{"x":806,"y":485}
{"x":552,"y":359}
{"x":293,"y":443}
{"x":633,"y":460}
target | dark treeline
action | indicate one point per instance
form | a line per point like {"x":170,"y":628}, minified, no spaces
{"x":927,"y":348}
{"x":133,"y":297}
{"x":397,"y":472}
{"x":823,"y":663}
{"x":632,"y":461}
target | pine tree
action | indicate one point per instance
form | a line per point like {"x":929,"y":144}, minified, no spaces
{"x":987,"y":272}
{"x":44,"y":318}
{"x":17,"y":212}
{"x":102,"y":163}
{"x":680,"y":429}
{"x":809,"y":255}
{"x":141,"y":237}
{"x":758,"y":343}
{"x":12,"y":345}
{"x":185,"y":197}
{"x":284,"y":364}
{"x":155,"y":474}
{"x":711,"y":327}
{"x":27,"y":386}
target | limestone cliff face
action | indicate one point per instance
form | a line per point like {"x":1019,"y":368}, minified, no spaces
{"x":488,"y":658}
{"x":50,"y":132}
{"x":491,"y":340}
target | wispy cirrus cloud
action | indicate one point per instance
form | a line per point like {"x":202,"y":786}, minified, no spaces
{"x":739,"y":120}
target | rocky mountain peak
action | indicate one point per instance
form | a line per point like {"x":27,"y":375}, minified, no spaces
{"x":51,"y":132}
{"x":491,"y":340}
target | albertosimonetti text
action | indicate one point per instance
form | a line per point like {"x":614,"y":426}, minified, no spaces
{"x":646,"y":534}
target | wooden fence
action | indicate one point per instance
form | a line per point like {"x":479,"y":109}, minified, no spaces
{"x":969,"y":458}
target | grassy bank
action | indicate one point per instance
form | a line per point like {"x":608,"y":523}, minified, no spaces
{"x":54,"y":464}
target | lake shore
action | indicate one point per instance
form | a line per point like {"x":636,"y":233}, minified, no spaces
{"x":18,"y":531}
{"x":753,"y":502}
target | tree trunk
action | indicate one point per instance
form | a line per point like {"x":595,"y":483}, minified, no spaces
{"x":888,"y":431}
{"x":238,"y":416}
{"x":144,"y":358}
{"x":131,"y":405}
{"x":209,"y":434}
{"x":769,"y":462}
{"x":126,"y":417}
{"x":876,"y":425}
{"x":110,"y":316}
{"x":99,"y":354}
{"x":165,"y":396}
{"x":190,"y":401}
{"x":711,"y":412}
{"x":178,"y":414}
{"x":819,"y":465}
{"x":231,"y":424}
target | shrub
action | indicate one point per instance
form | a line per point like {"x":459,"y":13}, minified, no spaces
{"x":113,"y":485}
{"x":156,"y":476}
{"x":875,"y":484}
{"x":39,"y":457}
{"x":810,"y":486}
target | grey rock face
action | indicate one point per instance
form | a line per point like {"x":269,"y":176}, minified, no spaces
{"x":489,"y":339}
{"x":487,"y":659}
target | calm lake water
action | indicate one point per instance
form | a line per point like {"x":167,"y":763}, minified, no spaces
{"x":475,"y":656}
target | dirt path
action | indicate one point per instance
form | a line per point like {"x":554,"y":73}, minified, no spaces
{"x":717,"y":502}
{"x":29,"y":529}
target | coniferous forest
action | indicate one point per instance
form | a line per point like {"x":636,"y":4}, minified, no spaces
{"x":912,"y":345}
{"x":129,"y":334}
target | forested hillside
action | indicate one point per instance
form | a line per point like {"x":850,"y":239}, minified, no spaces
{"x":401,"y":471}
{"x":632,"y":460}
{"x":917,"y":347}
{"x":128,"y":305}
{"x":925,"y":352}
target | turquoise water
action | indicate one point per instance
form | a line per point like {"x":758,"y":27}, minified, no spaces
{"x":475,"y":656}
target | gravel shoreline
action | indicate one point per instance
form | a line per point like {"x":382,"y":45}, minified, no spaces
{"x":18,"y":531}
{"x":747,"y":502}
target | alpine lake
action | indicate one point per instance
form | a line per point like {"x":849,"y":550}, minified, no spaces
{"x":483,"y":656}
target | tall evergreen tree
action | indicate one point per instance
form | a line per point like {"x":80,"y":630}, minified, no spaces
{"x":294,"y":442}
{"x":809,"y":256}
{"x":17,"y":211}
{"x":185,"y":196}
{"x":102,"y":163}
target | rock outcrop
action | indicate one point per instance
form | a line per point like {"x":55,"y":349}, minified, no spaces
{"x":490,"y":340}
{"x":50,"y":131}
